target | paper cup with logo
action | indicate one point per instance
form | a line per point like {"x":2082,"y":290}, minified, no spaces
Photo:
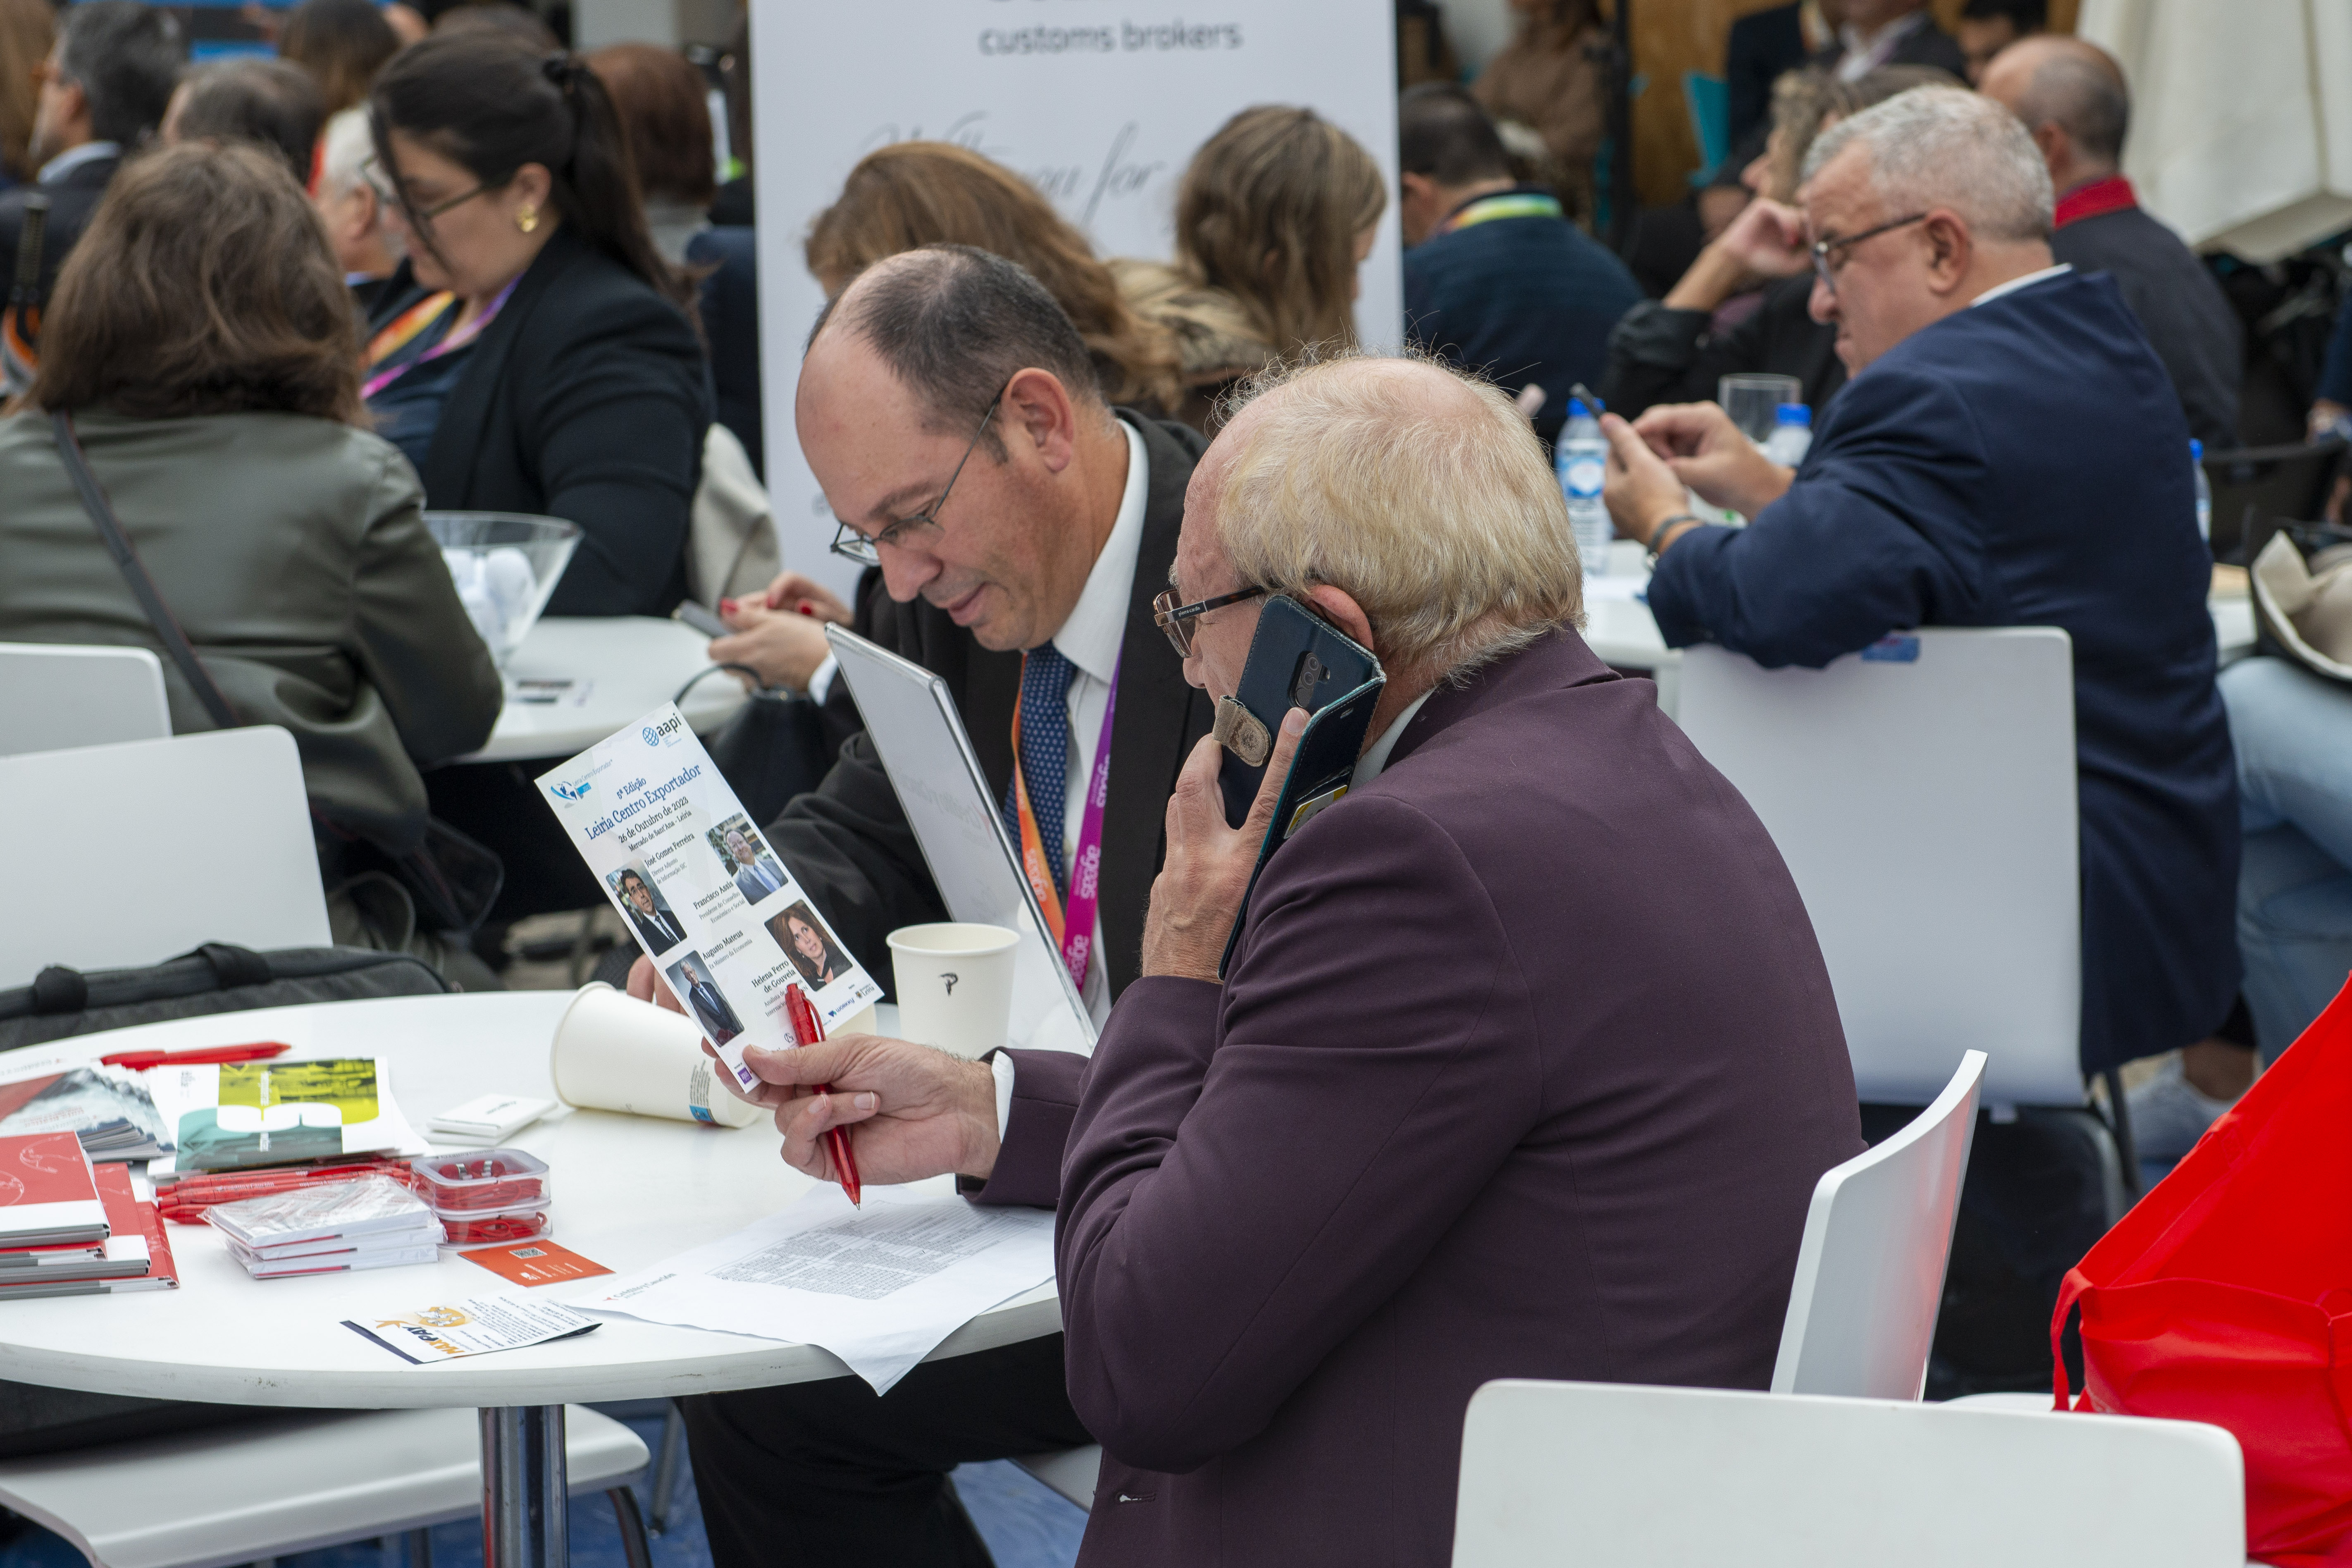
{"x":613,"y":1052}
{"x":955,"y":985}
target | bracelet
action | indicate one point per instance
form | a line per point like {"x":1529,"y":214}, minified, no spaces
{"x":1658,"y":534}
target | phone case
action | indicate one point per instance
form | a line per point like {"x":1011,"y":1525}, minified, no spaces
{"x":1297,"y":660}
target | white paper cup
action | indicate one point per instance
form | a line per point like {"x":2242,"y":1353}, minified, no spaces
{"x":955,"y":985}
{"x":613,"y":1052}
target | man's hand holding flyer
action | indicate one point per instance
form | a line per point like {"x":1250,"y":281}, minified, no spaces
{"x":710,"y":903}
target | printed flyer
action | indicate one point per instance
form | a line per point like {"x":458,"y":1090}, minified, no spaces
{"x":710,"y":903}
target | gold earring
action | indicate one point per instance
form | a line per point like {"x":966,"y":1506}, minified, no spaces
{"x":527,"y":217}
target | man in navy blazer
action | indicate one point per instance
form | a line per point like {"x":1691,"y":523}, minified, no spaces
{"x":2009,"y":453}
{"x":1525,"y":1064}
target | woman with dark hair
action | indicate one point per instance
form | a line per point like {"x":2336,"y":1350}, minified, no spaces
{"x":202,"y":340}
{"x":535,"y":353}
{"x":341,"y":44}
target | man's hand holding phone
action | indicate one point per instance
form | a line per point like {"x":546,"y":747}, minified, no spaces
{"x":1201,"y":884}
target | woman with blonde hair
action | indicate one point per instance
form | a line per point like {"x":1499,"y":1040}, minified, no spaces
{"x":1274,"y":215}
{"x":914,"y":194}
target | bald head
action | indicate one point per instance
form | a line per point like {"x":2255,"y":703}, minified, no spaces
{"x":2072,"y":97}
{"x":953,"y":324}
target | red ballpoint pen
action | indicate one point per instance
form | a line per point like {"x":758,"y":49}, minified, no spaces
{"x":808,"y":1032}
{"x":260,"y":1051}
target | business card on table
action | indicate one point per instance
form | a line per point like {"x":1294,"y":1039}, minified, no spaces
{"x":710,"y":903}
{"x":535,"y":1263}
{"x":477,"y":1325}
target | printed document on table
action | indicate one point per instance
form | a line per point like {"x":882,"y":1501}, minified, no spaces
{"x":879,"y":1288}
{"x":477,"y":1325}
{"x":708,"y":899}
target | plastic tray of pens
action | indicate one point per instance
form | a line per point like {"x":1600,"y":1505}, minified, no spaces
{"x":492,"y":1179}
{"x":497,"y":1195}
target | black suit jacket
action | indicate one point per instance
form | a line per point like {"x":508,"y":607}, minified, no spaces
{"x":72,"y":200}
{"x":716,"y":1015}
{"x":586,"y":399}
{"x":2178,"y":305}
{"x":1763,"y":44}
{"x":1661,"y":355}
{"x":847,"y":841}
{"x":650,"y":928}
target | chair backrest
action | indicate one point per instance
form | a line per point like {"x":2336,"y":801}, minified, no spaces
{"x":2257,"y":489}
{"x":56,"y":695}
{"x":1870,"y":1271}
{"x":1708,"y":98}
{"x":1922,"y":792}
{"x":1692,"y":1477}
{"x":128,"y":855}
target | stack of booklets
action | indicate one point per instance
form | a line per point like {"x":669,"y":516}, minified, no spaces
{"x":109,"y":1108}
{"x":68,"y":1228}
{"x":372,"y":1222}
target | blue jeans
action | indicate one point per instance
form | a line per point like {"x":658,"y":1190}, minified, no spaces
{"x":2292,"y":732}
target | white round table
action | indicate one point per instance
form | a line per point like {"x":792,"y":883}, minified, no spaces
{"x":1618,"y":628}
{"x":618,"y":668}
{"x":628,"y":1191}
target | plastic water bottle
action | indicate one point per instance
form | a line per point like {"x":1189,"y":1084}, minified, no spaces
{"x":1581,"y":458}
{"x":2204,"y":490}
{"x":1792,"y":435}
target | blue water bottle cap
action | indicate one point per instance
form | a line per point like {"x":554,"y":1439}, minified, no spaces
{"x":1793,"y":413}
{"x":1576,"y":409}
{"x":2196,"y":450}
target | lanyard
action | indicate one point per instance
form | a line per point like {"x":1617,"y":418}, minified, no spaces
{"x":403,"y":330}
{"x":1074,"y":930}
{"x":1504,"y":204}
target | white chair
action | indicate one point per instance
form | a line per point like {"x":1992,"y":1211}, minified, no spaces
{"x":56,"y":695}
{"x":1870,"y":1269}
{"x":1688,"y":1477}
{"x":141,"y":851}
{"x":244,"y":1494}
{"x":1926,"y":806}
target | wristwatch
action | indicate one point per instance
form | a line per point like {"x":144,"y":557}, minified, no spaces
{"x":1657,"y":534}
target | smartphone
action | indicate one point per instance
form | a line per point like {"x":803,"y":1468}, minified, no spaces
{"x":1297,"y":659}
{"x":700,"y":619}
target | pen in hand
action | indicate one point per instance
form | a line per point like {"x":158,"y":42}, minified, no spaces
{"x":808,"y":1031}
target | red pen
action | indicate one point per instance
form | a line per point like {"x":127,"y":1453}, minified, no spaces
{"x":260,"y":1051}
{"x":808,"y":1032}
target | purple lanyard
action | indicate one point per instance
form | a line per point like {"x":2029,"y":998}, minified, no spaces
{"x":1076,"y":916}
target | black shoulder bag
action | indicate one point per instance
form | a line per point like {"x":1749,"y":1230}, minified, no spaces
{"x":451,"y":879}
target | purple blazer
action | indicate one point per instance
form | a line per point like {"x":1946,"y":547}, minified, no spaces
{"x":1526,"y":1066}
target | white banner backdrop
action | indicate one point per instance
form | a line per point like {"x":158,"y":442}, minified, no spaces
{"x":1100,"y":103}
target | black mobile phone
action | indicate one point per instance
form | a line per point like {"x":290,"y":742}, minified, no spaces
{"x":701,"y":620}
{"x":1297,"y":659}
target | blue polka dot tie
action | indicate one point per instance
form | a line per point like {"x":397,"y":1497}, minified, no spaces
{"x":1046,"y":678}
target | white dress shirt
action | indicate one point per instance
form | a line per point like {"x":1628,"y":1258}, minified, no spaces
{"x":1865,"y":52}
{"x":2014,"y":284}
{"x":73,"y":158}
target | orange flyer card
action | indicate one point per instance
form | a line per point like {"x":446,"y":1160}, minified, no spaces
{"x":534,"y":1262}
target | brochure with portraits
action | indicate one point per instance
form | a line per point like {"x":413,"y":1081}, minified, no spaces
{"x":694,"y":878}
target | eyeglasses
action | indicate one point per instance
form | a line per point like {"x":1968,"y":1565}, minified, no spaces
{"x":1823,"y":247}
{"x":1176,"y":619}
{"x":849,"y":543}
{"x":372,"y":171}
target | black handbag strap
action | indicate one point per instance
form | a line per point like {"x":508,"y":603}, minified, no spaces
{"x":134,"y":571}
{"x":759,"y":687}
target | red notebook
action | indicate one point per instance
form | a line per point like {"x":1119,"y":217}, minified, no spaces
{"x":46,"y":1192}
{"x":137,"y":1257}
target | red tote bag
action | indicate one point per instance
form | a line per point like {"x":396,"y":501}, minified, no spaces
{"x":2226,"y":1296}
